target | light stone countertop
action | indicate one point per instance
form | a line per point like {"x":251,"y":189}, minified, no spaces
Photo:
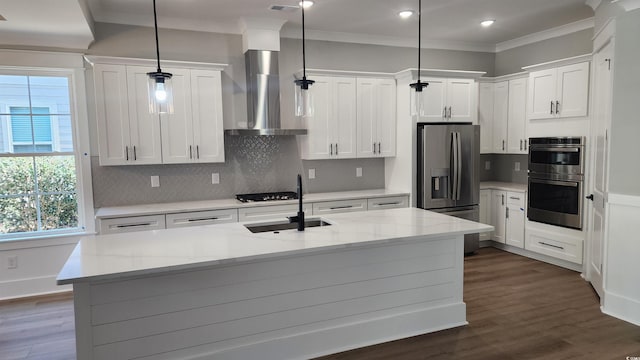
{"x":203,"y":205}
{"x":117,"y":256}
{"x":506,"y":186}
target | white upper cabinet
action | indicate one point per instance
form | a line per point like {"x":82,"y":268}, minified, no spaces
{"x":559,"y":92}
{"x":331,"y":131}
{"x":517,"y":117}
{"x":450,"y":100}
{"x":127,"y":133}
{"x":485,"y":117}
{"x":500,"y":116}
{"x":376,"y":117}
{"x":194,"y":132}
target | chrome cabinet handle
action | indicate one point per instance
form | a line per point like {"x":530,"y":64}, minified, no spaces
{"x":135,"y":157}
{"x":379,"y":150}
{"x":330,"y":149}
{"x":449,"y":112}
{"x":525,"y":143}
{"x":502,"y":199}
{"x":444,"y":113}
{"x":341,"y":207}
{"x":551,"y":111}
{"x":514,"y":198}
{"x":198,"y":151}
{"x":555,"y":246}
{"x":190,"y":152}
{"x":336,"y":148}
{"x":202,"y":219}
{"x":126,"y":151}
{"x":502,"y":144}
{"x":133,"y":225}
{"x":557,"y":107}
{"x":389,"y":203}
{"x":520,"y":144}
{"x":374,"y":148}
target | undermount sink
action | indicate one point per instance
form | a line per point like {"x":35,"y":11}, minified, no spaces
{"x":284,"y":225}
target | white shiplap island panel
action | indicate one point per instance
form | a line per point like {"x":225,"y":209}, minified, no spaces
{"x":222,"y":292}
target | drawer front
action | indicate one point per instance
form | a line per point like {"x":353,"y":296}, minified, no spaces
{"x":341,"y":206}
{"x":516,"y":199}
{"x":136,"y":223}
{"x":202,"y":218}
{"x":274,"y":212}
{"x":388,"y":203}
{"x":565,"y":250}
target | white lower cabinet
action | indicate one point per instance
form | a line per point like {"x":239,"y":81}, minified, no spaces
{"x":340,"y":206}
{"x":560,"y":243}
{"x":514,"y":234}
{"x":485,"y":212}
{"x":388,"y":203}
{"x":196,"y":218}
{"x":498,"y":215}
{"x":129,"y":224}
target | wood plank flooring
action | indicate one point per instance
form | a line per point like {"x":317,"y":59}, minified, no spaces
{"x":517,"y":308}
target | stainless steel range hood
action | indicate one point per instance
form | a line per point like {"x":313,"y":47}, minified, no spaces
{"x":263,"y":96}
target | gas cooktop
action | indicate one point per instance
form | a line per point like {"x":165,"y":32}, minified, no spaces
{"x":270,"y":196}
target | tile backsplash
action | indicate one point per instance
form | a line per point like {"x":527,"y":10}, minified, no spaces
{"x":253,"y":164}
{"x":502,"y":168}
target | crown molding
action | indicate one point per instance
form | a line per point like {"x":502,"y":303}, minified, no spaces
{"x":558,"y":63}
{"x":593,"y":3}
{"x":413,"y":73}
{"x":627,"y":5}
{"x":41,"y":59}
{"x":95,"y":59}
{"x":546,"y":34}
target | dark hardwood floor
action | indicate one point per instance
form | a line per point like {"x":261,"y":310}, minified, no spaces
{"x":517,"y":308}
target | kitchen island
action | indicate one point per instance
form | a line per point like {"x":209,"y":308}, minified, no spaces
{"x":221,"y":291}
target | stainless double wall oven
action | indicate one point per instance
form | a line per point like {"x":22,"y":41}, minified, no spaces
{"x":556,"y":181}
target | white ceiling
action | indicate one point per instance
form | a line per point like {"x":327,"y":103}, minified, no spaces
{"x":373,"y":21}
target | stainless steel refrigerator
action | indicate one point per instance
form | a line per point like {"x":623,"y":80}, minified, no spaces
{"x":448,"y":172}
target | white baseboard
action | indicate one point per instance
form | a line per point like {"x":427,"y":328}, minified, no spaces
{"x":347,"y":337}
{"x":621,"y":307}
{"x":31,"y":287}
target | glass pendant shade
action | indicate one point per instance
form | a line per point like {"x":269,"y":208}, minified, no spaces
{"x":303,"y":98}
{"x":160,"y":89}
{"x":419,"y":99}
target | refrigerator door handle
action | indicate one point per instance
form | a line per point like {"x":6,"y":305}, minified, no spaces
{"x":453,"y":166}
{"x":459,"y":169}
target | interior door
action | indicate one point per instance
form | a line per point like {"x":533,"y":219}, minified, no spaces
{"x":600,"y":124}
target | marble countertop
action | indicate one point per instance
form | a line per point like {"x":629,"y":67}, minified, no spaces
{"x":507,"y":186}
{"x":116,"y":256}
{"x":185,"y":206}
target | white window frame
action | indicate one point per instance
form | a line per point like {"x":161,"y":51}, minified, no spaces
{"x":71,"y":66}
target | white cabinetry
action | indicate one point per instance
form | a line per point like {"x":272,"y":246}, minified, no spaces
{"x":499,"y":215}
{"x":485,"y":118}
{"x":452,"y":100}
{"x":133,"y":223}
{"x":195,"y":218}
{"x":194,"y":132}
{"x":500,"y":116}
{"x":388,"y":203}
{"x":376,"y":117}
{"x":559,"y":92}
{"x":517,"y":117}
{"x":514,"y":233}
{"x":331,"y":131}
{"x":485,"y":212}
{"x":271,"y":212}
{"x":127,"y":133}
{"x":339,"y":206}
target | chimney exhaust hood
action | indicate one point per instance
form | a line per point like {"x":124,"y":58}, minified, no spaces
{"x":263,"y":96}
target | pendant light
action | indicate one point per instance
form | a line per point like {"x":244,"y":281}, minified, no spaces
{"x":303,"y":98}
{"x":418,"y":99}
{"x":159,"y":83}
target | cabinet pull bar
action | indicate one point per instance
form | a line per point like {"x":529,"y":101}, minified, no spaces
{"x":126,"y":151}
{"x":502,"y":199}
{"x":554,"y":246}
{"x":331,"y":149}
{"x":341,"y":207}
{"x":190,"y":152}
{"x":507,"y":214}
{"x":135,"y":156}
{"x":525,"y":143}
{"x":198,"y":151}
{"x":503,"y":145}
{"x":379,"y":146}
{"x":336,"y":148}
{"x":389,"y":203}
{"x":202,"y":219}
{"x":374,"y":148}
{"x":514,"y":198}
{"x":133,"y":225}
{"x":551,"y":111}
{"x":449,"y":112}
{"x":520,"y":144}
{"x":444,"y":113}
{"x":557,"y":107}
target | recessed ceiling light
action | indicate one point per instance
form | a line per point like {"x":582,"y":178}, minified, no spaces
{"x":306,"y":3}
{"x":487,"y":23}
{"x":405,"y":14}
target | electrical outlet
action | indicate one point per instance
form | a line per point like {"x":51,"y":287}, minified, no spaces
{"x":517,"y":166}
{"x":12,"y":262}
{"x":358,"y":172}
{"x":215,"y":178}
{"x":487,"y":165}
{"x":155,"y":181}
{"x":312,"y":174}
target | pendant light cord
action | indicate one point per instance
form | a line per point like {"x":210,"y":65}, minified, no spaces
{"x":304,"y":62}
{"x":155,"y":22}
{"x":419,"y":35}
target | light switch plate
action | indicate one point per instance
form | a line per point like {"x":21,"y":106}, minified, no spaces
{"x":487,"y":165}
{"x":215,"y":178}
{"x":517,"y":166}
{"x":312,"y":174}
{"x":155,"y":181}
{"x":358,"y":172}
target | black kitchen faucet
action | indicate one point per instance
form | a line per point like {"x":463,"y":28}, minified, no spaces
{"x":300,"y":218}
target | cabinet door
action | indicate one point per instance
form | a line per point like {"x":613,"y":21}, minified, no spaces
{"x":343,"y":122}
{"x":392,"y":202}
{"x":517,"y":118}
{"x":386,"y":117}
{"x":515,"y":219}
{"x":112,"y":113}
{"x":339,"y":206}
{"x":500,"y":116}
{"x":542,"y":94}
{"x":316,"y":144}
{"x":485,"y":117}
{"x":177,"y":128}
{"x":144,"y":126}
{"x":206,"y":108}
{"x":366,"y":114}
{"x":485,"y":212}
{"x":461,"y":100}
{"x":573,"y":90}
{"x":498,"y":215}
{"x":435,"y":95}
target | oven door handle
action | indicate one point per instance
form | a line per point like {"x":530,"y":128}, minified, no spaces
{"x":554,"y":182}
{"x":554,"y":149}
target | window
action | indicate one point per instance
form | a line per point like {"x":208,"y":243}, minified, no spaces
{"x":38,"y":161}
